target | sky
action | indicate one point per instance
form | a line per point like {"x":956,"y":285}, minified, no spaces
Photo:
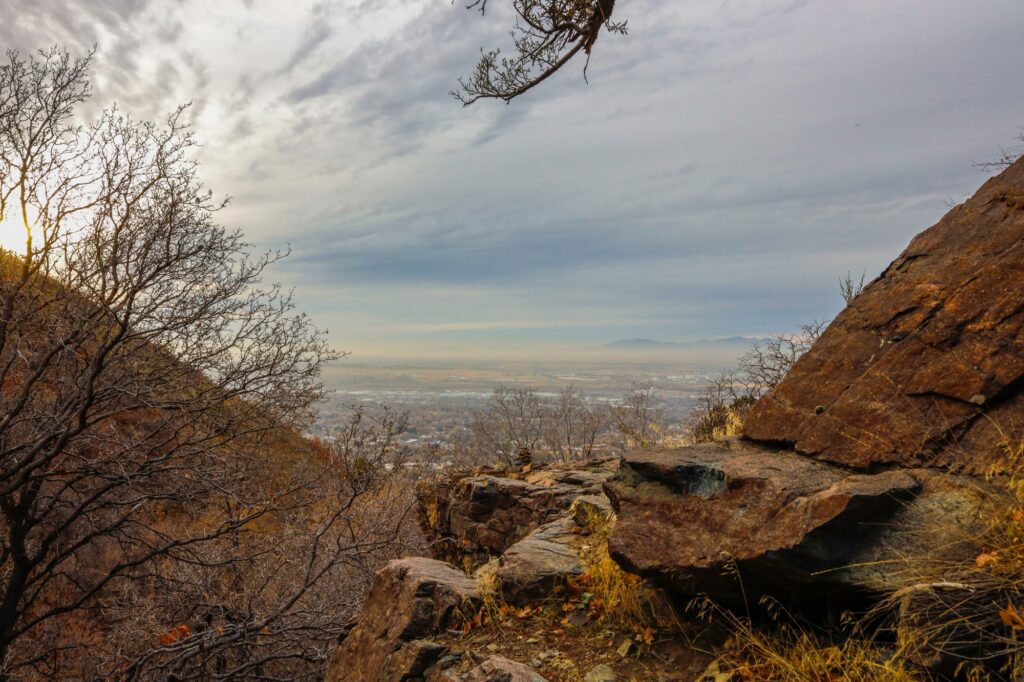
{"x":727,"y":162}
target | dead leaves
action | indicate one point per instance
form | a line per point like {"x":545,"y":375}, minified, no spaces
{"x":986,"y":559}
{"x":175,"y":634}
{"x":1011,"y":618}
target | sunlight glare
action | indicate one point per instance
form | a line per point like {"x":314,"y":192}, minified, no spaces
{"x":12,"y":234}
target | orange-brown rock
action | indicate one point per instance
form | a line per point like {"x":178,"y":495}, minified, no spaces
{"x":793,"y":527}
{"x":926,"y":366}
{"x":411,"y":601}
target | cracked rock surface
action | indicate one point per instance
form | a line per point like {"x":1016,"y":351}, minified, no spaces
{"x":791,"y":526}
{"x":924,"y":365}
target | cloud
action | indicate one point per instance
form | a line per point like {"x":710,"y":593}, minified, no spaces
{"x":726,"y":163}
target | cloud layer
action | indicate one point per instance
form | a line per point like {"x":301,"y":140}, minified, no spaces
{"x":728,"y":161}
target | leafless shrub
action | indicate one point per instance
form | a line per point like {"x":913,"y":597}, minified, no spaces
{"x":849,"y":288}
{"x":765,"y":365}
{"x":513,"y":421}
{"x":725,"y":402}
{"x":519,"y":421}
{"x":721,"y":408}
{"x":1007,"y":156}
{"x":547,"y":35}
{"x":295,"y":578}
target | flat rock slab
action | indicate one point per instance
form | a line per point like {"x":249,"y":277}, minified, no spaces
{"x":548,"y":556}
{"x":687,"y":514}
{"x":500,"y":669}
{"x":925,"y":366}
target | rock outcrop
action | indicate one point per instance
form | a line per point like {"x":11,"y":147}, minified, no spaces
{"x":532,"y":567}
{"x":471,"y":519}
{"x":926,"y":364}
{"x":411,"y":601}
{"x":865,"y":454}
{"x":794,"y":527}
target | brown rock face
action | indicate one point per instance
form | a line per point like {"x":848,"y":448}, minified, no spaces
{"x":793,"y":526}
{"x":410,"y":601}
{"x":922,"y":367}
{"x":471,"y":518}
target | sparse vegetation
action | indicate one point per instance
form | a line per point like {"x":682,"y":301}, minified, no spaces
{"x":614,"y":595}
{"x":787,"y":652}
{"x":520,"y":424}
{"x":727,"y":399}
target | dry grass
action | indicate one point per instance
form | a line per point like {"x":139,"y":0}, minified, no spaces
{"x":962,"y":602}
{"x":957,"y":608}
{"x":781,"y":649}
{"x":620,"y":598}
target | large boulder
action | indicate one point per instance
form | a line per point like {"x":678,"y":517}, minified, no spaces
{"x":697,"y":518}
{"x":471,"y":518}
{"x":925,"y":367}
{"x":411,"y":600}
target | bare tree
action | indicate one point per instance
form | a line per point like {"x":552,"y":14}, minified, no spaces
{"x":572,"y":427}
{"x":547,"y":35}
{"x":148,"y":382}
{"x":513,"y":422}
{"x":638,"y":417}
{"x":724,"y":403}
{"x":765,"y":365}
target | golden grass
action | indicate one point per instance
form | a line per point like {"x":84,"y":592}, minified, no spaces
{"x":618,"y":597}
{"x":959,"y":605}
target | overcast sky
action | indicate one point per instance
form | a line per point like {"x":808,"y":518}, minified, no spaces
{"x":727,"y":162}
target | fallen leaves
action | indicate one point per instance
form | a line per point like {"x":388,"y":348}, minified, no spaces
{"x":1011,"y":618}
{"x":986,"y":559}
{"x":175,"y":634}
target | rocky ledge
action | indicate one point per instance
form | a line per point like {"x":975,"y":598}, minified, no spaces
{"x":864,"y":455}
{"x":474,"y":517}
{"x":737,"y":518}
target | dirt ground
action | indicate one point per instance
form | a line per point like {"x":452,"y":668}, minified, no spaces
{"x":565,"y":647}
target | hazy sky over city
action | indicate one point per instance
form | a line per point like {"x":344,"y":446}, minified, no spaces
{"x":727,"y":162}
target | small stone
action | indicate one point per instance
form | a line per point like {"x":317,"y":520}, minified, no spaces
{"x":625,"y":648}
{"x":714,"y":674}
{"x":491,"y":647}
{"x":448,"y":661}
{"x":578,"y":619}
{"x":548,"y":654}
{"x":536,"y":662}
{"x":600,"y":673}
{"x":978,"y":399}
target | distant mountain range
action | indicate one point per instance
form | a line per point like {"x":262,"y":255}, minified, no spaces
{"x":731,"y":342}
